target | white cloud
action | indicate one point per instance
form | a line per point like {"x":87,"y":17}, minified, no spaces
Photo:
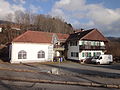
{"x":98,"y":16}
{"x":71,"y":5}
{"x":35,"y":9}
{"x":20,"y":1}
{"x":6,"y":8}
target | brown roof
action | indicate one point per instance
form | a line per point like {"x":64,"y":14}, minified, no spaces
{"x":92,"y":34}
{"x":78,"y":35}
{"x":62,"y":36}
{"x":38,"y":37}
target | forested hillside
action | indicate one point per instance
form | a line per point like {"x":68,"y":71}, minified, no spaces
{"x":28,"y":21}
{"x":114,"y":46}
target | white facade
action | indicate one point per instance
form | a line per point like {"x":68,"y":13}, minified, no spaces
{"x":82,"y":54}
{"x":0,"y":29}
{"x":74,"y":49}
{"x":89,"y":51}
{"x":31,"y":50}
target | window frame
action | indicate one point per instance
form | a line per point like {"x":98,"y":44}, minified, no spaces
{"x":83,"y":54}
{"x":22,"y":54}
{"x":41,"y":54}
{"x":73,"y":43}
{"x":74,"y":54}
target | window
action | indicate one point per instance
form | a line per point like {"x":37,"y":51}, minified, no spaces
{"x":83,"y":43}
{"x":98,"y":53}
{"x":41,"y":54}
{"x":83,"y":54}
{"x":89,"y":43}
{"x":71,"y":54}
{"x":86,"y":54}
{"x":74,"y":54}
{"x":94,"y":54}
{"x":98,"y":43}
{"x":94,"y":44}
{"x":73,"y":43}
{"x":22,"y":54}
{"x":89,"y":54}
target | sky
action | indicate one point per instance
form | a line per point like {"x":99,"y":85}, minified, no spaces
{"x":101,"y":14}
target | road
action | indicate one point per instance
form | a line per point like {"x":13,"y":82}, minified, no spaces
{"x":9,"y":85}
{"x":68,"y":71}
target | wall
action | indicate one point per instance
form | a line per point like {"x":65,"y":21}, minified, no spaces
{"x":0,"y":29}
{"x":91,"y":51}
{"x":76,"y":49}
{"x":72,"y":49}
{"x":32,"y":50}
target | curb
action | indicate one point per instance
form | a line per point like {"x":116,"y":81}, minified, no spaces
{"x":60,"y":82}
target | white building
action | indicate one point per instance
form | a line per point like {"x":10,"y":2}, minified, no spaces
{"x":0,"y":28}
{"x":34,"y":46}
{"x":86,"y":44}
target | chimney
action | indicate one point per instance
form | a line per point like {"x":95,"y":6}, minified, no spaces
{"x":82,"y":29}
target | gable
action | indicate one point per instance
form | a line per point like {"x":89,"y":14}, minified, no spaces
{"x":94,"y":35}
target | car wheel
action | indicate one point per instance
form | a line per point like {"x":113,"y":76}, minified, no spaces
{"x":110,"y":63}
{"x":98,"y":63}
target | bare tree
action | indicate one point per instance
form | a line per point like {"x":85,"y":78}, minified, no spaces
{"x":9,"y":17}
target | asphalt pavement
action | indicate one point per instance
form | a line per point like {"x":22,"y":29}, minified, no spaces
{"x":68,"y":72}
{"x":10,"y":85}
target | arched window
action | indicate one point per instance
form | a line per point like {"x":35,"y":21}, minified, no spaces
{"x":22,"y":54}
{"x":41,"y":54}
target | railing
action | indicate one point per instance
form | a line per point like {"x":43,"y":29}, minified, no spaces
{"x":88,"y":47}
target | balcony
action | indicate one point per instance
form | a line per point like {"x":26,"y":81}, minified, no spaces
{"x":88,"y":47}
{"x":58,"y":48}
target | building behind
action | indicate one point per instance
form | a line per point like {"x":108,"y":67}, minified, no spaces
{"x":34,"y":46}
{"x":85,"y":44}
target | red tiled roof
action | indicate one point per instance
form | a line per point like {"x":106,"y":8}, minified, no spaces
{"x":38,"y":37}
{"x":62,"y":36}
{"x":94,"y":35}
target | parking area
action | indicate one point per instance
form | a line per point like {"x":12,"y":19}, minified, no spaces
{"x":112,"y":71}
{"x":68,"y":71}
{"x":69,"y":67}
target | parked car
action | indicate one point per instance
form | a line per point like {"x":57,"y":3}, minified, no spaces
{"x":103,"y":59}
{"x":88,"y":60}
{"x":116,"y":59}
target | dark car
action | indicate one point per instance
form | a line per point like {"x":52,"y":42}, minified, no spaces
{"x":88,"y":60}
{"x":116,"y":59}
